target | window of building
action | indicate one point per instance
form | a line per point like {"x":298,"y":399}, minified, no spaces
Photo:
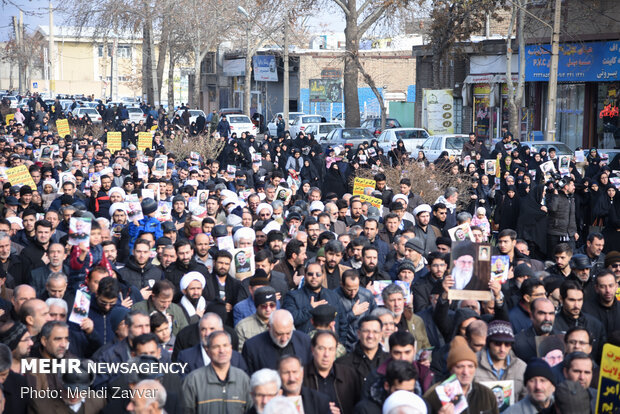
{"x":123,"y":52}
{"x":208,"y":64}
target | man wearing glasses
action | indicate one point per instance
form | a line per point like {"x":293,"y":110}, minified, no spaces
{"x":265,"y":302}
{"x":497,"y":361}
{"x":301,"y":301}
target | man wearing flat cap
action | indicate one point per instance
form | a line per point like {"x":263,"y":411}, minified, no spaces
{"x":324,"y":318}
{"x":265,"y":302}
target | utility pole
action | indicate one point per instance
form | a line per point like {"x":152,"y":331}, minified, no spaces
{"x":552,"y":89}
{"x":285,"y":84}
{"x":51,"y":52}
{"x":113,"y":73}
{"x":18,"y":45}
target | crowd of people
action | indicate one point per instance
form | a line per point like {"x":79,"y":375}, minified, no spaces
{"x":279,"y":291}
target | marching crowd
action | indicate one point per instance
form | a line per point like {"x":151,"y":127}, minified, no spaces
{"x":278,"y":290}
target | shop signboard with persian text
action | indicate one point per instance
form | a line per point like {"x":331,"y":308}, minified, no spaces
{"x":577,"y":62}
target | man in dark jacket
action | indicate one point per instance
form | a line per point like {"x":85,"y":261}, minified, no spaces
{"x":562,"y":225}
{"x":570,"y":314}
{"x":195,"y":357}
{"x":542,"y":313}
{"x":312,"y":294}
{"x":184,"y":264}
{"x":367,"y":354}
{"x":139,"y":270}
{"x":31,"y":257}
{"x":471,"y":147}
{"x":264,"y":350}
{"x":291,"y":370}
{"x":402,"y":347}
{"x":223,"y":127}
{"x":338,"y":381}
{"x":221,"y":285}
{"x":605,"y":307}
{"x":400,"y":375}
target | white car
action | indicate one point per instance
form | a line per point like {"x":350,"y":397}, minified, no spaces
{"x":412,"y":137}
{"x":435,"y":145}
{"x":136,"y":115}
{"x":91,"y":112}
{"x":240,"y":124}
{"x":303,"y":121}
{"x":273,"y":127}
{"x":12,"y":99}
{"x":320,"y":130}
{"x":193,"y":114}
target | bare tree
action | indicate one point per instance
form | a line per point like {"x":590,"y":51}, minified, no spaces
{"x":515,"y":96}
{"x":359,"y":19}
{"x":454,"y":21}
{"x":102,"y":20}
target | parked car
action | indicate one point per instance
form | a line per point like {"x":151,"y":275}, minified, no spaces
{"x":412,"y":137}
{"x":303,"y":121}
{"x":374,"y":124}
{"x":92,"y":113}
{"x":228,"y":111}
{"x":273,"y":128}
{"x":12,"y":100}
{"x":560,"y":147}
{"x":320,"y":130}
{"x":435,"y":145}
{"x":348,"y":137}
{"x":136,"y":115}
{"x":193,"y":114}
{"x":240,"y":124}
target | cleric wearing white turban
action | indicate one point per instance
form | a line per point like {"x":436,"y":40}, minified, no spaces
{"x":192,"y":302}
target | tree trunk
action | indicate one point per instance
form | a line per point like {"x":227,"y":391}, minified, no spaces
{"x":171,"y":63}
{"x":370,"y":82}
{"x":148,"y":64}
{"x":161,"y":60}
{"x":247,"y":84}
{"x":197,"y":75}
{"x":436,"y":65}
{"x":351,"y":71}
{"x":515,"y":97}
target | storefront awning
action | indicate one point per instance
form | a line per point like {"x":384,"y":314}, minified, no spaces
{"x":479,"y":78}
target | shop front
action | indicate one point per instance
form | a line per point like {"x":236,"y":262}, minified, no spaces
{"x":587,"y":94}
{"x":488,"y":97}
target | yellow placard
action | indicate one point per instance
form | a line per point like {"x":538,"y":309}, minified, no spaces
{"x":114,"y":141}
{"x":62,"y":126}
{"x":608,"y":393}
{"x":154,"y":128}
{"x":20,"y":176}
{"x":9,"y":117}
{"x":359,"y":184}
{"x":374,"y":201}
{"x":145,"y":141}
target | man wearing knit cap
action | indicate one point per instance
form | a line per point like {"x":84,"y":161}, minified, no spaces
{"x":497,"y":362}
{"x":462,"y":362}
{"x":540,"y":384}
{"x":265,"y":302}
{"x":192,"y":302}
{"x":16,"y":336}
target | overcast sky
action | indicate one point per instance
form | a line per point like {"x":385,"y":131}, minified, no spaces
{"x":36,"y":13}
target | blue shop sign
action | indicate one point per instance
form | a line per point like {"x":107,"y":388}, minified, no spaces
{"x":578,"y":62}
